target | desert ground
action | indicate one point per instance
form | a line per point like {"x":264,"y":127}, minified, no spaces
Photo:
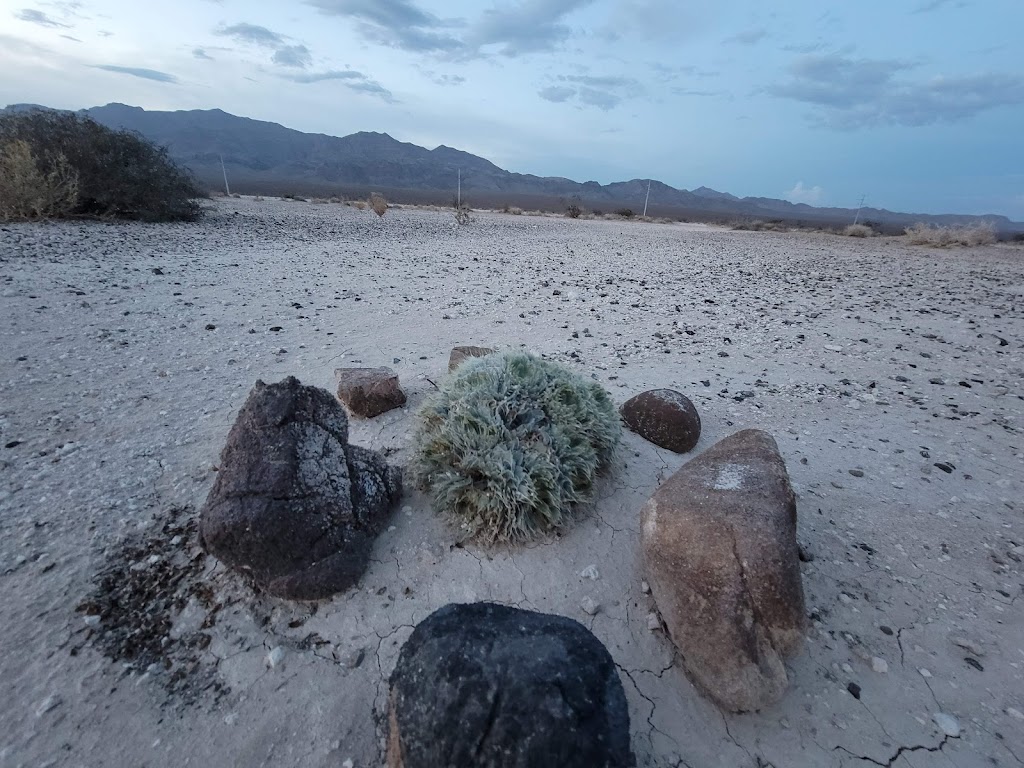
{"x":891,"y":377}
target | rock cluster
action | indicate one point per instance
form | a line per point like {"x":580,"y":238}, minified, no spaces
{"x":294,"y":504}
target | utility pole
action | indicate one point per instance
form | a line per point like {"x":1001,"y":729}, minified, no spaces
{"x":859,"y":206}
{"x":648,"y":196}
{"x":458,"y":197}
{"x":224,"y":170}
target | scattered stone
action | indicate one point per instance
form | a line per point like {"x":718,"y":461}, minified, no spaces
{"x":719,"y":541}
{"x":854,"y":690}
{"x":369,"y":392}
{"x":353,"y":658}
{"x":653,"y":622}
{"x":924,"y":672}
{"x":645,"y":587}
{"x":945,"y":467}
{"x":857,"y":472}
{"x":294,"y":505}
{"x":591,"y":572}
{"x":589,"y":606}
{"x":275,"y":657}
{"x":973,"y":662}
{"x":881,"y":666}
{"x":1015,"y":713}
{"x":664,"y":417}
{"x":948,"y":724}
{"x":50,"y":702}
{"x":490,"y":685}
{"x":459,"y":355}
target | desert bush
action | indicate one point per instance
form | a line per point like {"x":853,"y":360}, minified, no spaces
{"x":511,"y":443}
{"x":859,"y":230}
{"x":626,"y":213}
{"x":120,"y":174}
{"x":378,"y":203}
{"x":775,"y":225}
{"x":27,"y":192}
{"x":941,"y":237}
{"x":359,"y":205}
{"x":515,"y":211}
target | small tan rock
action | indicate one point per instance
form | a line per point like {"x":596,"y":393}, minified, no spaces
{"x":369,"y":392}
{"x":459,"y":355}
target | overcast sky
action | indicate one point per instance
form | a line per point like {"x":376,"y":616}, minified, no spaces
{"x":916,"y":104}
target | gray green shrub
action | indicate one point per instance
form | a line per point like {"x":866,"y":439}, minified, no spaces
{"x":511,"y":443}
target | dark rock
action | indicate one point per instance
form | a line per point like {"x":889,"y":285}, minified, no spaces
{"x":854,"y":690}
{"x":487,"y":685}
{"x":719,"y":542}
{"x":459,"y":355}
{"x":369,"y":392}
{"x":294,"y":505}
{"x":945,"y":467}
{"x":664,"y":417}
{"x":856,"y":472}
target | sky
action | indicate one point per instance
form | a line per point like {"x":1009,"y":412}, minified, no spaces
{"x":910,"y":105}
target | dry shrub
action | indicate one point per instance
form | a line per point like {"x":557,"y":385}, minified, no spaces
{"x":942,"y":237}
{"x":859,"y":230}
{"x":378,"y":203}
{"x":27,"y":192}
{"x":760,"y":226}
{"x":359,"y":205}
{"x":515,"y":211}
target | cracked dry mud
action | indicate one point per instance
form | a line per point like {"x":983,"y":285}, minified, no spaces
{"x":891,"y":377}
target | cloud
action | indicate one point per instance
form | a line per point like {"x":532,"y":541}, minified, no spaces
{"x":934,"y":5}
{"x":801,"y":194}
{"x":32,"y":16}
{"x":72,"y":39}
{"x":145,"y":74}
{"x":557,"y":93}
{"x":252,"y":34}
{"x":852,"y":93}
{"x":749,"y":37}
{"x":350,"y":78}
{"x":395,"y":23}
{"x":293,"y":56}
{"x":528,"y":26}
{"x":602,"y":91}
{"x":200,"y":53}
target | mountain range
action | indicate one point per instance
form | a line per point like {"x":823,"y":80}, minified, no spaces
{"x":269,"y":158}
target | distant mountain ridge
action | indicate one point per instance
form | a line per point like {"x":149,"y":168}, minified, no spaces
{"x":269,"y":153}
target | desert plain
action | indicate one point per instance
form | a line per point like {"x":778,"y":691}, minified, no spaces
{"x":891,"y":376}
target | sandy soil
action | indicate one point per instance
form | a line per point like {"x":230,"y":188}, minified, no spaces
{"x":127,"y":349}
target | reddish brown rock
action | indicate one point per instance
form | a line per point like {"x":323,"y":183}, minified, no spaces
{"x":664,"y":417}
{"x":369,"y":392}
{"x":459,"y":355}
{"x":720,"y":551}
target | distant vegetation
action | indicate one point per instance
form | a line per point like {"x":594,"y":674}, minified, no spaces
{"x":977,"y":234}
{"x":55,"y":164}
{"x":378,"y":203}
{"x":859,"y":230}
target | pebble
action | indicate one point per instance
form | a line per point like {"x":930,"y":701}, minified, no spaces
{"x":881,"y":666}
{"x":645,"y":587}
{"x":653,"y":623}
{"x":856,"y":472}
{"x":948,"y":724}
{"x":589,"y":606}
{"x":967,"y":645}
{"x":591,"y":572}
{"x":924,"y":672}
{"x":50,"y":702}
{"x":1016,"y":713}
{"x":275,"y":657}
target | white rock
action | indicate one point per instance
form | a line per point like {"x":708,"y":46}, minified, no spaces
{"x":348,"y":763}
{"x":947,"y":724}
{"x":881,"y":666}
{"x":590,"y":572}
{"x":924,"y":672}
{"x":1015,"y":713}
{"x":652,"y":622}
{"x":645,"y":587}
{"x":275,"y":657}
{"x":50,"y":702}
{"x":589,"y":606}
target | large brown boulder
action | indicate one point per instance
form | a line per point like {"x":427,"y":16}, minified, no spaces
{"x":720,"y":550}
{"x":369,"y":392}
{"x":294,"y":505}
{"x":493,"y":686}
{"x":664,"y":417}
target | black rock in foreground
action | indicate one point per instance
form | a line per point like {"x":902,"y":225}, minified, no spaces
{"x":488,"y":685}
